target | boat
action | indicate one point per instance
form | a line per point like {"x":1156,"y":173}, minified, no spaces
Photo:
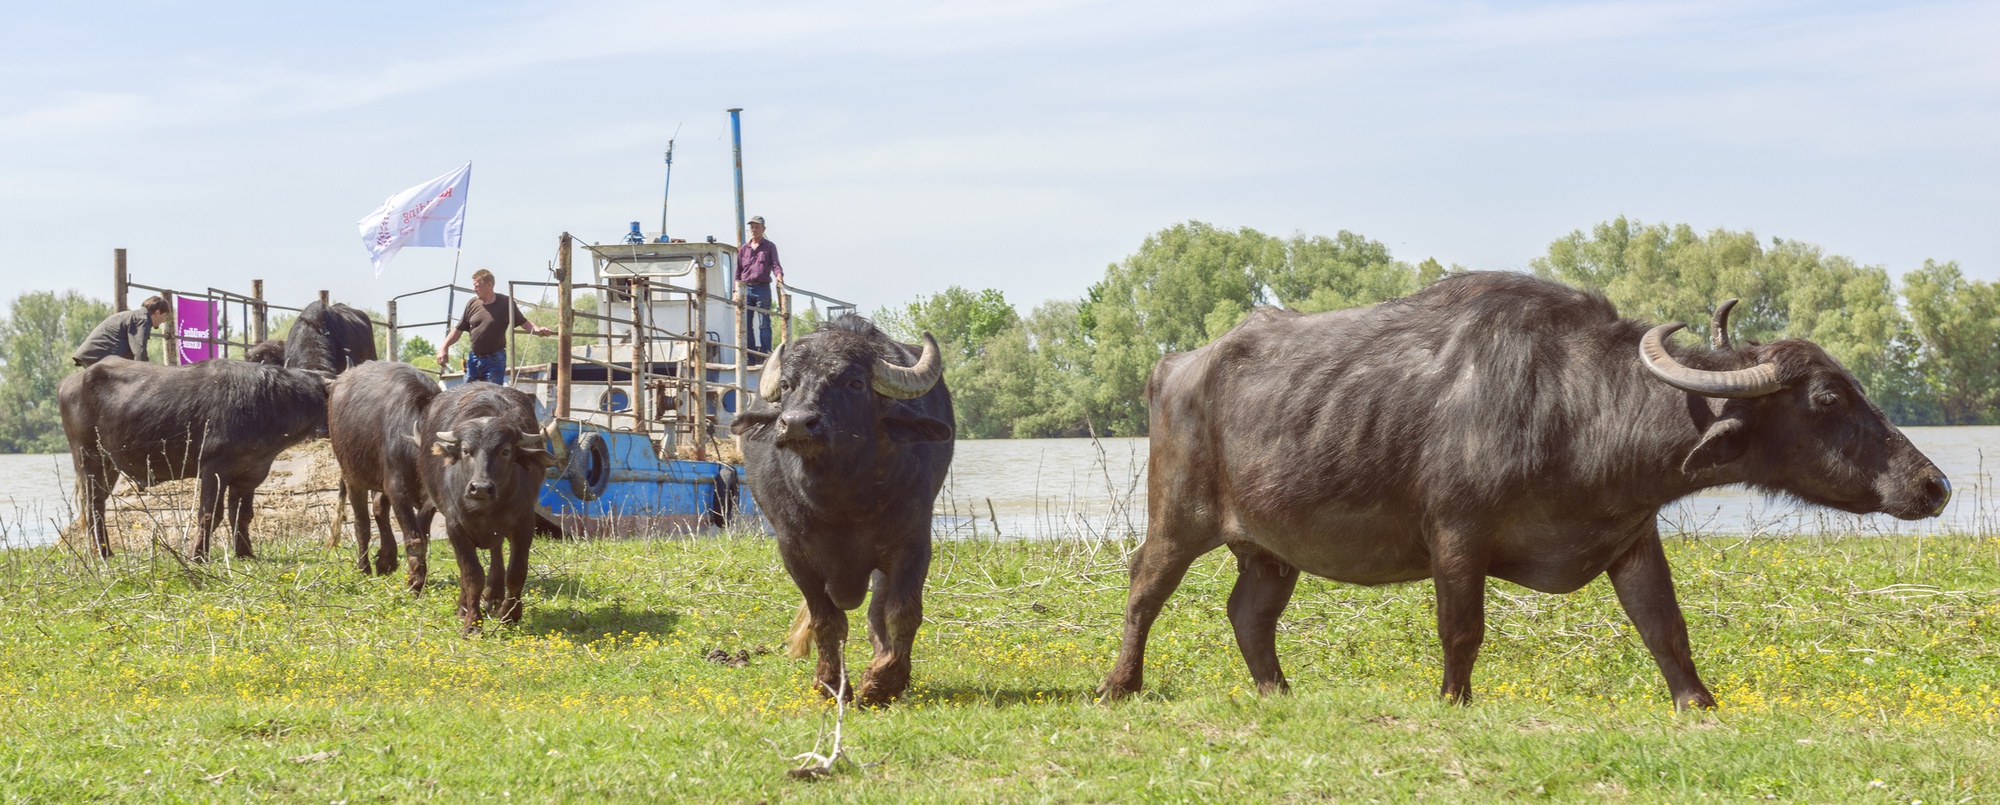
{"x":637,"y":403}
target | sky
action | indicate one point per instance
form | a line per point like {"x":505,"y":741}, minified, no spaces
{"x":897,"y":148}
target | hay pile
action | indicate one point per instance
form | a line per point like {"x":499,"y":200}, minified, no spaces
{"x":297,"y":502}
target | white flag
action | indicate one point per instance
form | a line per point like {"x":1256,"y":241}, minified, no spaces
{"x":430,"y":214}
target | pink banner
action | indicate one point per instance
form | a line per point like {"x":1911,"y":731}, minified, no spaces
{"x":195,"y":320}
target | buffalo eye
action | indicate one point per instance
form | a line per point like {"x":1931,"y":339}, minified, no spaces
{"x":1826,"y":399}
{"x":854,"y":383}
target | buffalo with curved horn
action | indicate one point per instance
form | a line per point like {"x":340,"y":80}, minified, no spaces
{"x":1492,"y":424}
{"x":845,"y":453}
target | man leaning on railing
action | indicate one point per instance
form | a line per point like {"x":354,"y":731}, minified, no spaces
{"x":756,"y":266}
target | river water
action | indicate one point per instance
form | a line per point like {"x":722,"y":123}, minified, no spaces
{"x":1083,"y":488}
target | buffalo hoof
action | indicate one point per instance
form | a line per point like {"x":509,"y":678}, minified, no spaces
{"x":1115,"y":689}
{"x":877,"y":695}
{"x":1698,"y":700}
{"x":416,"y":583}
{"x":826,"y":687}
{"x":385,"y":565}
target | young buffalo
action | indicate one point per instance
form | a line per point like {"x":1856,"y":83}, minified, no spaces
{"x":482,"y":469}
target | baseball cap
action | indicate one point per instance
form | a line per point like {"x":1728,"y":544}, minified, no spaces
{"x":757,"y":219}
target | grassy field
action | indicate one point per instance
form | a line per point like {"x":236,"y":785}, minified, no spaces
{"x":1848,"y":670}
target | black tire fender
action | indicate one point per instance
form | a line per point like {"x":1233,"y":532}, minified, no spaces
{"x":589,"y":468}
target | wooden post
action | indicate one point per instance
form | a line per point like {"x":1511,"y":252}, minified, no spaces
{"x":565,"y":327}
{"x":173,"y":337}
{"x":119,"y":281}
{"x":262,"y":314}
{"x":697,"y":360}
{"x":637,"y":405}
{"x":325,"y":300}
{"x":740,"y":306}
{"x":394,"y":343}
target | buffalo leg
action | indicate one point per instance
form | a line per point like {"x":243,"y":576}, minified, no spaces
{"x":827,"y":625}
{"x":1460,"y":572}
{"x":211,"y":493}
{"x":418,"y":527}
{"x":496,"y":578}
{"x":895,"y":611}
{"x":242,"y":506}
{"x":357,"y":499}
{"x":94,"y":477}
{"x":1157,"y":569}
{"x":471,"y":580}
{"x":385,"y":555}
{"x":1264,"y":585}
{"x":1645,"y":588}
{"x":517,"y":573}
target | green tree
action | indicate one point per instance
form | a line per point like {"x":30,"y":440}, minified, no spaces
{"x":40,"y":331}
{"x":963,"y":322}
{"x":1955,"y":343}
{"x":1188,"y":284}
{"x":1664,"y":273}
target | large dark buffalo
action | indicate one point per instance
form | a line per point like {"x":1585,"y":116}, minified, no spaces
{"x":220,"y":421}
{"x":1490,"y":425}
{"x":482,"y":469}
{"x":371,"y":415}
{"x":329,"y":339}
{"x":846,"y":453}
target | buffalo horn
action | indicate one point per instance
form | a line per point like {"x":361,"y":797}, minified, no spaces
{"x":447,"y":437}
{"x":1755,"y":381}
{"x":528,"y":440}
{"x":910,"y":382}
{"x":767,"y":385}
{"x":1718,"y":327}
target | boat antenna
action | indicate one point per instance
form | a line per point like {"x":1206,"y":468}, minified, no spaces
{"x":669,"y":185}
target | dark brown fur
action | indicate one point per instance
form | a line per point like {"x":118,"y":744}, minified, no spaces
{"x":373,"y":417}
{"x":485,"y":486}
{"x":1491,"y":425}
{"x":223,"y":422}
{"x":847,"y":478}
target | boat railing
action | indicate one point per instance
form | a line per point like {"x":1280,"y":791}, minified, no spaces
{"x":684,"y":399}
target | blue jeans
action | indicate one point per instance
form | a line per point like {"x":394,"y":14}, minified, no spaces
{"x":490,"y":368}
{"x":757,"y":324}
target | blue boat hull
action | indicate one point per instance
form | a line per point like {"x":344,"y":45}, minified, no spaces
{"x":644,"y":495}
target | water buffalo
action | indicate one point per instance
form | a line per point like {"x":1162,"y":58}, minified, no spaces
{"x":372,"y":412}
{"x":271,"y":351}
{"x":845,"y":453}
{"x":482,"y":468}
{"x":223,"y":422}
{"x":1492,"y":424}
{"x":329,"y":339}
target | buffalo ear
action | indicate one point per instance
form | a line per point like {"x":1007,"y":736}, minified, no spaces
{"x":537,"y":459}
{"x":446,"y":449}
{"x":1725,"y":441}
{"x":906,"y":425}
{"x":752,"y":417}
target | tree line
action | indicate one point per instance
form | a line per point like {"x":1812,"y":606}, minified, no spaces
{"x":1926,"y":349}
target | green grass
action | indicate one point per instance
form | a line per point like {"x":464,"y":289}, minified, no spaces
{"x":1862,"y":669}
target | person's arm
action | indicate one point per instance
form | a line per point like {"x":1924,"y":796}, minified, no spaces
{"x":451,"y":337}
{"x":777,"y":267}
{"x":526,"y":326}
{"x":145,"y":333}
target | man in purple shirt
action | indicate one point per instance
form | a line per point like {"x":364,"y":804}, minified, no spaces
{"x":756,"y":266}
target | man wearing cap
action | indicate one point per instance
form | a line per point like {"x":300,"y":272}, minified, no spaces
{"x":487,"y":317}
{"x":756,"y":266}
{"x":123,"y":334}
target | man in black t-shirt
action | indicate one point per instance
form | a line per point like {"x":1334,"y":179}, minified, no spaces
{"x":487,"y":317}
